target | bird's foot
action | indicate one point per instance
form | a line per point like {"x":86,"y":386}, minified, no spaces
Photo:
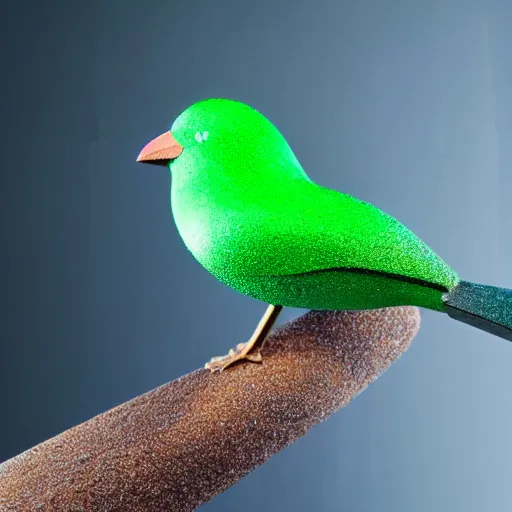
{"x":242,"y":352}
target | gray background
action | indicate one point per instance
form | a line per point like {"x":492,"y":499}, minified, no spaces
{"x":405,"y":104}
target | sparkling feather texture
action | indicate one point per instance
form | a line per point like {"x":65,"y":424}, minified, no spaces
{"x":252,"y":217}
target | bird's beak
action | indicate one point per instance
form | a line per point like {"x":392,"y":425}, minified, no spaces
{"x":161,"y":150}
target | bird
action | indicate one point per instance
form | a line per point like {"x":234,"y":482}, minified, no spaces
{"x":253,"y":218}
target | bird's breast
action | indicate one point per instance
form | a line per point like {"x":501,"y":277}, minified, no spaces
{"x":209,"y":229}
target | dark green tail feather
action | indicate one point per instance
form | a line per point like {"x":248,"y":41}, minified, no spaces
{"x":486,"y":307}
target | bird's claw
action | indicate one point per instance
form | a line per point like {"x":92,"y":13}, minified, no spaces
{"x":254,"y":357}
{"x":241,"y":353}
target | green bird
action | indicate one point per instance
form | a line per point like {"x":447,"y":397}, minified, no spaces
{"x":252,"y":217}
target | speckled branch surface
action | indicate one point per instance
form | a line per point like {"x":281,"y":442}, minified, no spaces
{"x":180,"y":445}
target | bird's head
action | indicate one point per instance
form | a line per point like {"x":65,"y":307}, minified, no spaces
{"x":219,"y":134}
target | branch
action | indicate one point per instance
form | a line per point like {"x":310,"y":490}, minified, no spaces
{"x":183,"y":443}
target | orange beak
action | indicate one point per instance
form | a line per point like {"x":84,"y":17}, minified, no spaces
{"x":161,"y":150}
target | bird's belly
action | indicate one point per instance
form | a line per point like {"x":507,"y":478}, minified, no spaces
{"x":327,"y":289}
{"x":339,"y":290}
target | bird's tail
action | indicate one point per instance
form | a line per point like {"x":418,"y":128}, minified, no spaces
{"x":486,"y":307}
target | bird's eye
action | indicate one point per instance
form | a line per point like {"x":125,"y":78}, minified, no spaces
{"x":201,"y":137}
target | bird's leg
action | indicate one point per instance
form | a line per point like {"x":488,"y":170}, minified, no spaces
{"x":249,"y":351}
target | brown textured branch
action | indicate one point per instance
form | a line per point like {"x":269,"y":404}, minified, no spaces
{"x":183,"y":443}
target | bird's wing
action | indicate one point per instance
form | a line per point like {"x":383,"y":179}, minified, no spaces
{"x":315,"y":228}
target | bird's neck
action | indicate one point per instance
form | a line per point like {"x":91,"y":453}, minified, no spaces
{"x":249,"y":183}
